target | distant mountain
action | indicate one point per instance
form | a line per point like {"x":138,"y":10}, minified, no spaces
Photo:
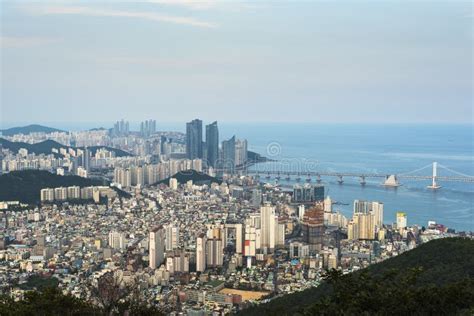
{"x":195,"y":176}
{"x":436,"y":278}
{"x":25,"y":185}
{"x":34,"y":128}
{"x":45,"y":147}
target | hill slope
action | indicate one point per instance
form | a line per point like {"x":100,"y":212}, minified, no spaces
{"x":34,"y":128}
{"x":436,"y":277}
{"x":45,"y":147}
{"x":195,"y":176}
{"x":25,"y":185}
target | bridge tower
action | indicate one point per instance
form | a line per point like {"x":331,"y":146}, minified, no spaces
{"x":434,"y":185}
{"x":391,"y":181}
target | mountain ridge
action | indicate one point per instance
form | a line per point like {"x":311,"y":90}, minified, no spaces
{"x":28,"y":129}
{"x":45,"y":147}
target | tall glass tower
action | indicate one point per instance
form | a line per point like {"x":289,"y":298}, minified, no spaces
{"x":194,"y":139}
{"x":212,"y":144}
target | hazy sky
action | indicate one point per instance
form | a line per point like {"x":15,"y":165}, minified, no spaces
{"x":174,"y":60}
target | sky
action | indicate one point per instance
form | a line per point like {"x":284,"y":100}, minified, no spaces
{"x":257,"y":61}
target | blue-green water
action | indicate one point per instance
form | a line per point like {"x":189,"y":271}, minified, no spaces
{"x":385,"y":149}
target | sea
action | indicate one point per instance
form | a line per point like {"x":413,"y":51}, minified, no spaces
{"x":370,"y":149}
{"x":376,"y":149}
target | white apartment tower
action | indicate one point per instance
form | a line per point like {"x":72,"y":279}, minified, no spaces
{"x":117,"y":240}
{"x":201,"y":242}
{"x":267,"y":224}
{"x":157,"y":247}
{"x":172,"y":237}
{"x":215,"y":254}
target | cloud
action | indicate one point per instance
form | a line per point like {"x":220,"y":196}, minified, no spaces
{"x":190,"y":4}
{"x":223,"y":5}
{"x":20,"y":42}
{"x":174,"y":63}
{"x":88,"y":11}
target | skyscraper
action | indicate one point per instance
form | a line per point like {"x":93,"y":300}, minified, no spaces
{"x":147,"y":128}
{"x":256,"y":197}
{"x":240,"y":152}
{"x":194,"y":139}
{"x":123,"y":177}
{"x":267,"y":221}
{"x":366,"y":207}
{"x":308,"y":193}
{"x":212,"y":144}
{"x":362,"y":226}
{"x":313,"y":227}
{"x":215,"y":254}
{"x":172,"y":237}
{"x":121,"y":128}
{"x":201,"y":242}
{"x":157,"y":247}
{"x":234,"y":231}
{"x":86,"y":159}
{"x":228,"y":154}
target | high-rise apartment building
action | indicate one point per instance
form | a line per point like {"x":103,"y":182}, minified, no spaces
{"x":228,"y":154}
{"x":362,"y":226}
{"x":212,"y":144}
{"x":201,"y":243}
{"x":137,"y":176}
{"x":401,"y":220}
{"x":148,"y":128}
{"x":60,"y":194}
{"x":235,"y":232}
{"x":279,"y":233}
{"x":240,"y":152}
{"x":194,"y":139}
{"x":123,"y":177}
{"x":86,"y":159}
{"x":47,"y":195}
{"x":267,"y":225}
{"x":215,"y":253}
{"x":373,"y":207}
{"x":313,"y":227}
{"x":157,"y":247}
{"x":256,"y":197}
{"x":117,"y":240}
{"x":121,"y":128}
{"x":172,"y":237}
{"x":308,"y":193}
{"x":74,"y":192}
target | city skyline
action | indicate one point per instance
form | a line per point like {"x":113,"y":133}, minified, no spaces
{"x":221,"y":157}
{"x":308,"y":62}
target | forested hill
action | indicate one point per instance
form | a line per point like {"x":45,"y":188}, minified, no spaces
{"x":436,"y":278}
{"x":34,"y":128}
{"x":25,"y":185}
{"x":46,"y":146}
{"x":197,"y":177}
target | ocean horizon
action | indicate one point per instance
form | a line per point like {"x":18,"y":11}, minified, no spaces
{"x":363,"y":148}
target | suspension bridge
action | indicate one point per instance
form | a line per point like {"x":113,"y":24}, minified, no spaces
{"x":389,"y":180}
